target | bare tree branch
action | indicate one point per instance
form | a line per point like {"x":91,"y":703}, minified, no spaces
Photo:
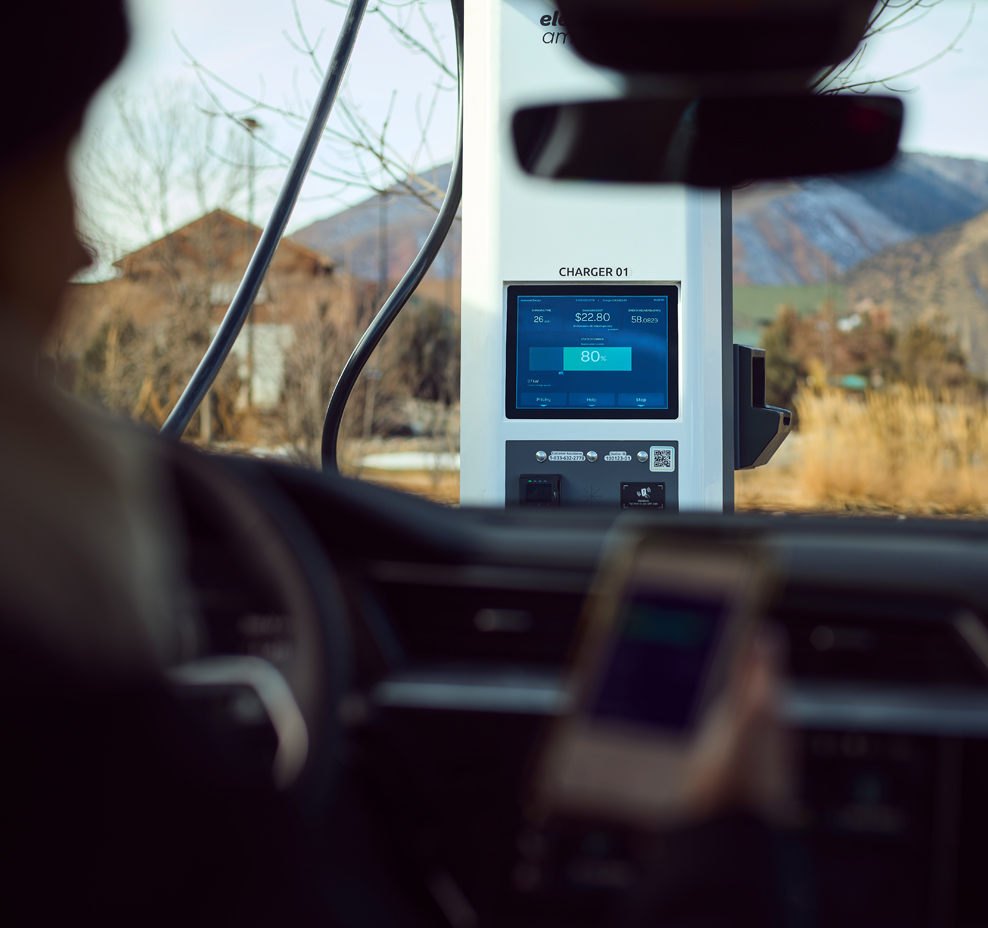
{"x":375,"y":163}
{"x":889,"y":16}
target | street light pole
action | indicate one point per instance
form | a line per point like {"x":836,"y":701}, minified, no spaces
{"x":251,"y":125}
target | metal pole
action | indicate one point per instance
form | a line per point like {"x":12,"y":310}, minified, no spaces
{"x":251,"y":125}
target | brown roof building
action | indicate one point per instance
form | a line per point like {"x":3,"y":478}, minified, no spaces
{"x":197,"y":266}
{"x":173,"y":293}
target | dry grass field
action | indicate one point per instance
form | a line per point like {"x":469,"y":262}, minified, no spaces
{"x":439,"y":484}
{"x":897,"y":451}
{"x":901,"y":450}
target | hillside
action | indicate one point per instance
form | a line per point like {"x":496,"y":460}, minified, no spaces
{"x":785,"y":234}
{"x":815,"y":230}
{"x":911,"y":235}
{"x":353,"y":238}
{"x":942,"y":274}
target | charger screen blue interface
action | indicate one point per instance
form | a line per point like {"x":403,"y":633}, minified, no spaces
{"x":583,"y":351}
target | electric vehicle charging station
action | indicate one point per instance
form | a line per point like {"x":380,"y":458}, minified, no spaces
{"x":597,"y":359}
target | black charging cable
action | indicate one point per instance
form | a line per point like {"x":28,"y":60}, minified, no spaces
{"x":413,"y":277}
{"x":233,"y":321}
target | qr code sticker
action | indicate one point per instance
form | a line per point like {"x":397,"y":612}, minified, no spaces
{"x":662,"y":459}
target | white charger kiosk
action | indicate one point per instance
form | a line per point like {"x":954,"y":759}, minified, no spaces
{"x":597,"y":362}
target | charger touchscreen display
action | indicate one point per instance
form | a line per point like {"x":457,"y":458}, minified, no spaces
{"x":585,"y":352}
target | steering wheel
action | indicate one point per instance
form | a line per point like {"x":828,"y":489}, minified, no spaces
{"x":272,"y":655}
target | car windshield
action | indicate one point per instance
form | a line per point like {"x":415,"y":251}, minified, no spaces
{"x":869,"y":293}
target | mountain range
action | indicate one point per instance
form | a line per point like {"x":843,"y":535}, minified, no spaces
{"x":914,"y":235}
{"x":940,"y":276}
{"x":804,"y":232}
{"x":392,"y":225}
{"x":814,"y":231}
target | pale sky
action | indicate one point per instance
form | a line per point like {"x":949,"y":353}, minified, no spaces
{"x":947,"y":108}
{"x":243,"y":42}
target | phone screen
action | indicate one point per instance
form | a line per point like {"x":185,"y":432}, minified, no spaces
{"x":665,"y":628}
{"x":660,"y":652}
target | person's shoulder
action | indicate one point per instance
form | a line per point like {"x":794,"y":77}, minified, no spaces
{"x":90,"y":557}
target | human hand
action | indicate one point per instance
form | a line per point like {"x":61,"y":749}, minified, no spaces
{"x":742,"y":758}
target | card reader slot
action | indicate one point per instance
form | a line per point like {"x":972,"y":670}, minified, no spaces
{"x":538,"y":489}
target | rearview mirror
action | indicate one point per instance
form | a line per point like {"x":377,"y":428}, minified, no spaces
{"x":714,"y":36}
{"x":708,"y":141}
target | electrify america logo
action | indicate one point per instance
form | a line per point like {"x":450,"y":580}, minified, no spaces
{"x":553,"y":23}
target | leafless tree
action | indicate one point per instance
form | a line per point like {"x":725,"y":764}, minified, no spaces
{"x":887,"y":17}
{"x":312,"y":366}
{"x":359,"y":155}
{"x":163,"y":161}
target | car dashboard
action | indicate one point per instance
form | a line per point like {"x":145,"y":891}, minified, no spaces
{"x":462,"y":621}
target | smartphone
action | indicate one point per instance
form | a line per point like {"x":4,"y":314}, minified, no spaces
{"x":666,"y":626}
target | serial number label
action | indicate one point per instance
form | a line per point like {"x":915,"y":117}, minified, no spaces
{"x":567,"y":456}
{"x":618,"y":456}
